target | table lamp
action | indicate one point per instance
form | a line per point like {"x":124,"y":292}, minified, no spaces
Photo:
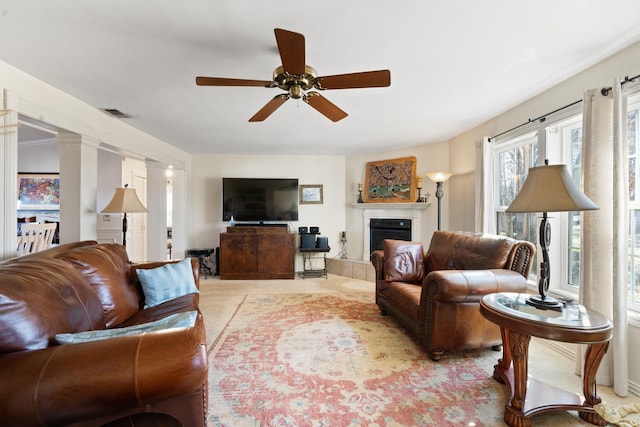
{"x":125,"y":200}
{"x":439,"y":178}
{"x":548,"y":188}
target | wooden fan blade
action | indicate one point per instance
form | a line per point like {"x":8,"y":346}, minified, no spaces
{"x":380,"y":78}
{"x":292,"y":51}
{"x":324,"y":106}
{"x":221,"y":81}
{"x":269,"y":108}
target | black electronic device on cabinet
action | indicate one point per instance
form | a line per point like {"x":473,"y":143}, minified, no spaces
{"x":307,"y":241}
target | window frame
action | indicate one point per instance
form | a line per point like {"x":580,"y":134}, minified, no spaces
{"x":555,"y":145}
{"x":550,"y":139}
{"x":633,"y":304}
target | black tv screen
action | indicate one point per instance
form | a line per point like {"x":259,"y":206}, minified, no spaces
{"x":260,"y":199}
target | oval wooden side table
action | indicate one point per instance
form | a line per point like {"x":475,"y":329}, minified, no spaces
{"x":520,"y":321}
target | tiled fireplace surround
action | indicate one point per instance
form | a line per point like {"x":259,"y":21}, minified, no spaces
{"x":359,"y":267}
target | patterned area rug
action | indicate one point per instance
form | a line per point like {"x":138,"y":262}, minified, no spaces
{"x":333,"y":360}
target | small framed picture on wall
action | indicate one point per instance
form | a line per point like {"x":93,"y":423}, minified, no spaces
{"x":311,"y":194}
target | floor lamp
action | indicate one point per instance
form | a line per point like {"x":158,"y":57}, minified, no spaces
{"x":125,"y":200}
{"x":439,"y":178}
{"x":548,"y":188}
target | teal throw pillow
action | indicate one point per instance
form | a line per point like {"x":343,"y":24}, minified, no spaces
{"x":167,"y":282}
{"x":186,"y":319}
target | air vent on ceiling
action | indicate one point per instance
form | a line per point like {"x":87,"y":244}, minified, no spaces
{"x":114,"y":112}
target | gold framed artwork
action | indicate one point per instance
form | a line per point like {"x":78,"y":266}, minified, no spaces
{"x":39,"y":191}
{"x":391,"y":181}
{"x":310,"y":194}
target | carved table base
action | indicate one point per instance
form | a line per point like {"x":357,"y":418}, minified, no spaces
{"x":537,"y":397}
{"x":529,"y":397}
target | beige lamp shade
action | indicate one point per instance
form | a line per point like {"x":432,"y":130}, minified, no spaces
{"x":125,"y":200}
{"x":550,"y":188}
{"x":439,"y":176}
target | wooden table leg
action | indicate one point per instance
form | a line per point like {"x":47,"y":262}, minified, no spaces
{"x":515,"y":349}
{"x":593,"y":357}
{"x":514,"y":411}
{"x":505,"y":363}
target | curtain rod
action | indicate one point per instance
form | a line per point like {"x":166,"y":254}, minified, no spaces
{"x":542,"y":118}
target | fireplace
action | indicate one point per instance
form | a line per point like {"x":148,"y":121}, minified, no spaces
{"x":388,"y":228}
{"x":376,"y":211}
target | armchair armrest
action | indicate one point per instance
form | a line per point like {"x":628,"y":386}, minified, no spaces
{"x":70,"y":383}
{"x":471,"y":285}
{"x":377,"y":259}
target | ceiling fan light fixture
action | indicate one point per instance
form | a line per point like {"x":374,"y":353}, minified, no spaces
{"x":296,"y":91}
{"x":284,"y":80}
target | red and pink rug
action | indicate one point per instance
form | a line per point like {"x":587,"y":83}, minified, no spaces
{"x":332,"y":360}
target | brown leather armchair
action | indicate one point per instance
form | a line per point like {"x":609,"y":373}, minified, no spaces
{"x":437,"y":294}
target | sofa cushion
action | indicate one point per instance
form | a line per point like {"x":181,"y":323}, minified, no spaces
{"x":186,"y":319}
{"x":41,"y":297}
{"x":107,"y":269}
{"x":450,"y":250}
{"x":164,"y":283}
{"x":403,"y":261}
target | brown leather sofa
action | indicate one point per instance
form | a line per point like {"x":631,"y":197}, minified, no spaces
{"x":87,"y":286}
{"x":437,"y":294}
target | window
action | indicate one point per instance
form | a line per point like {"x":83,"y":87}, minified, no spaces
{"x":513,"y":162}
{"x":633,"y":139}
{"x":561,"y":142}
{"x":513,"y":158}
{"x":571,"y":143}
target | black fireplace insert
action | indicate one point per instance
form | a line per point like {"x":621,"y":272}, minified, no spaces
{"x":388,"y":228}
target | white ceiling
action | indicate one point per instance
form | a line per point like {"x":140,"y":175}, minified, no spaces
{"x":454,"y":64}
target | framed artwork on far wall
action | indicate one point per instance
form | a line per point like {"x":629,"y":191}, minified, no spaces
{"x":38,"y":191}
{"x":391,"y":181}
{"x":311,"y":194}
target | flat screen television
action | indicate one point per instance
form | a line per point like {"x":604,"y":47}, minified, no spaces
{"x":260,"y":199}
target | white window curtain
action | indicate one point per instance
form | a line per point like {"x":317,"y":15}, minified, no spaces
{"x":604,"y":272}
{"x":485,"y":209}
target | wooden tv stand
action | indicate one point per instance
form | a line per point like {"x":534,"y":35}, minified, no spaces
{"x":257,"y":252}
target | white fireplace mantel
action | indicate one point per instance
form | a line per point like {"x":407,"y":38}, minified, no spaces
{"x":392,"y":206}
{"x":389,"y":210}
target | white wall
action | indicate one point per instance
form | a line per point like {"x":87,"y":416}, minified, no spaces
{"x":206,"y":193}
{"x":40,"y":157}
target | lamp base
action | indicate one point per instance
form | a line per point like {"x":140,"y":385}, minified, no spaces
{"x":544,"y":302}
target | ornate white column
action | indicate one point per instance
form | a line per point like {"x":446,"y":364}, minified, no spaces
{"x":78,"y":187}
{"x":9,"y":175}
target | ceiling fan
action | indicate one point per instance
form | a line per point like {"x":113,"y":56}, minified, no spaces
{"x":297,"y":78}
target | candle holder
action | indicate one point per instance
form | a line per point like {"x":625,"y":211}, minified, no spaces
{"x":419,"y":199}
{"x":360,"y":194}
{"x":343,"y":245}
